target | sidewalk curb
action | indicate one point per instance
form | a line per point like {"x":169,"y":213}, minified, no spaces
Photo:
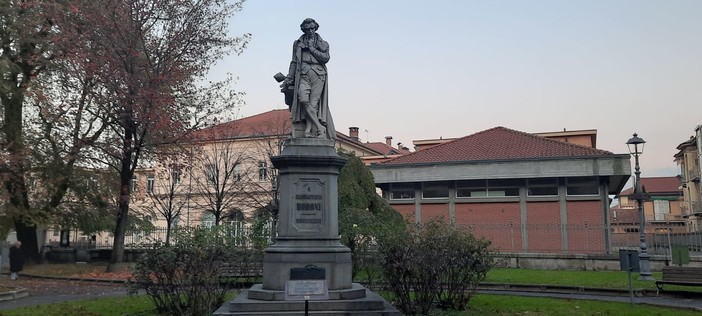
{"x":563,"y":289}
{"x":569,"y":289}
{"x":13,"y":294}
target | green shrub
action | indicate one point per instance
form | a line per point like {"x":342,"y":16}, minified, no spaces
{"x":364,"y":217}
{"x":433,"y":265}
{"x":184,"y":278}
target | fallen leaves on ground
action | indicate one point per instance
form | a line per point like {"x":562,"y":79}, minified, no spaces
{"x":39,"y":287}
{"x":119,"y":275}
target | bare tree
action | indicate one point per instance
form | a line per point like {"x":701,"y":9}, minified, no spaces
{"x":271,"y":136}
{"x":221,"y":181}
{"x":168,"y":193}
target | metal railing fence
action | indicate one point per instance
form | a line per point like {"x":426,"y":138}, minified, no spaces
{"x":244,"y":236}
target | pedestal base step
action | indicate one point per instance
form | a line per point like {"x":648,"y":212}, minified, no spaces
{"x":371,"y":304}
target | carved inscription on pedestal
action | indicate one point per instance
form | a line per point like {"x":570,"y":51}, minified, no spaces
{"x":308,"y":210}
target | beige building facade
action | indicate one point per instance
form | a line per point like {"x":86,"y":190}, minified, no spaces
{"x":688,"y":160}
{"x":223,"y":174}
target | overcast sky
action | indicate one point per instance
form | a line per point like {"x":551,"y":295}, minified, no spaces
{"x":430,"y":69}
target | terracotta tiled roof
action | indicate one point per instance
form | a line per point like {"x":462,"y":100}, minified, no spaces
{"x":271,"y":123}
{"x":354,"y":142}
{"x":274,"y":122}
{"x":386,"y":149}
{"x":658,"y":185}
{"x":497,"y":143}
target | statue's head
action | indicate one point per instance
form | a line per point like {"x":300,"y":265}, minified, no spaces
{"x":309,"y":26}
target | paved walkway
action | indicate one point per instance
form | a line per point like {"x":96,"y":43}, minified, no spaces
{"x":102,"y":289}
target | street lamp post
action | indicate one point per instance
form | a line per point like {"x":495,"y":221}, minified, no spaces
{"x":636,"y":146}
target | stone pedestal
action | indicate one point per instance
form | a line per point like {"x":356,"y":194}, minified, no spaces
{"x":308,"y":238}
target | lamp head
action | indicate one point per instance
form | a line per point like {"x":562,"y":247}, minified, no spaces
{"x":636,"y":145}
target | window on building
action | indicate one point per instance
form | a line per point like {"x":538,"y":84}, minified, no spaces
{"x":402,"y":191}
{"x":208,"y":220}
{"x":237,"y":173}
{"x":175,"y":221}
{"x":235,"y":221}
{"x":542,"y":187}
{"x":262,"y":171}
{"x":435,"y":190}
{"x":150,"y":184}
{"x":175,"y":176}
{"x":211,"y":174}
{"x":274,"y":182}
{"x":660,"y":209}
{"x":504,"y":187}
{"x":582,"y":186}
{"x":487,"y":188}
{"x":471,"y":188}
{"x":134,"y":183}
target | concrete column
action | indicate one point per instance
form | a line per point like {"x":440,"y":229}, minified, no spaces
{"x":564,"y":214}
{"x":523,"y":217}
{"x":604,"y":197}
{"x":452,"y":202}
{"x":418,"y":203}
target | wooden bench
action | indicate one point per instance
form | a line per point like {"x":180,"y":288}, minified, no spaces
{"x":686,"y":276}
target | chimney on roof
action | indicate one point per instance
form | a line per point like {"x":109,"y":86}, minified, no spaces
{"x":388,"y":140}
{"x":353,"y":133}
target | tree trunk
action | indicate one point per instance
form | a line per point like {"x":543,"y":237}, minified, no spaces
{"x":121,"y":227}
{"x":124,"y":194}
{"x":15,"y":169}
{"x":28,"y":236}
{"x":168,"y":231}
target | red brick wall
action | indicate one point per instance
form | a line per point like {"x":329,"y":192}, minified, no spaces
{"x":584,"y":238}
{"x":544,"y":222}
{"x":430,"y":211}
{"x":501,"y":223}
{"x":492,"y":221}
{"x":407,"y":211}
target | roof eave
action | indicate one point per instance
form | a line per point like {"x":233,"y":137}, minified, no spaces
{"x":617,"y":168}
{"x":418,"y":164}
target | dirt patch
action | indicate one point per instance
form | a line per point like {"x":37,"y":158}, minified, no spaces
{"x":120,"y":275}
{"x":41,"y":287}
{"x":76,"y":270}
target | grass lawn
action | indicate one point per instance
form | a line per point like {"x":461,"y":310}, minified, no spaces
{"x":112,"y":306}
{"x":593,"y":279}
{"x":600,"y":279}
{"x":484,"y":304}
